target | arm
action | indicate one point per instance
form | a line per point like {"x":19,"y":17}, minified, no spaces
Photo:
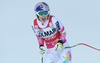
{"x":61,"y":29}
{"x":40,"y":40}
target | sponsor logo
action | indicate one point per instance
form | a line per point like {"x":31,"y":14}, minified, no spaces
{"x":48,"y":33}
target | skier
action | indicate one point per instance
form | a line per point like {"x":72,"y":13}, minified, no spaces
{"x":50,"y":32}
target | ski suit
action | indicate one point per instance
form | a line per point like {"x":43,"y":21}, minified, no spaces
{"x":50,"y":33}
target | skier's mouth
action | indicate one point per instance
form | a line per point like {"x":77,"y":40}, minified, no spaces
{"x":43,"y":19}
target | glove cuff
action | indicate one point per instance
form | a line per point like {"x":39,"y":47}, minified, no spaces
{"x":60,"y":41}
{"x":41,"y":47}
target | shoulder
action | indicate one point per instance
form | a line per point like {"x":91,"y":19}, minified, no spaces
{"x":55,"y":19}
{"x":34,"y":22}
{"x":34,"y":26}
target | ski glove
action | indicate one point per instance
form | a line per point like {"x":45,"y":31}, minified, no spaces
{"x":42,"y":50}
{"x":59,"y":45}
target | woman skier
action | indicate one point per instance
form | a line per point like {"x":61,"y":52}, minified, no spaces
{"x":50,"y":32}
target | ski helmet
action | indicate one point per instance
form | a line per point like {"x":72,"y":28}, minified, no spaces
{"x":42,"y":9}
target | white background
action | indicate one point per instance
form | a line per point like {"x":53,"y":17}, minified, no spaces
{"x":18,"y":43}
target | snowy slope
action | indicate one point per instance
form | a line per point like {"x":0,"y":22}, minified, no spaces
{"x":18,"y":43}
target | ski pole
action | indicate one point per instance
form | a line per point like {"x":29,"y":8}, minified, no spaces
{"x":42,"y":57}
{"x":84,"y":45}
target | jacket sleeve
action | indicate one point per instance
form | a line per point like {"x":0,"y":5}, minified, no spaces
{"x":60,"y":29}
{"x":40,"y":40}
{"x":62,"y":32}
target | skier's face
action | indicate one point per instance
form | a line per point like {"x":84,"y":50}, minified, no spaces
{"x":43,"y":18}
{"x":43,"y":15}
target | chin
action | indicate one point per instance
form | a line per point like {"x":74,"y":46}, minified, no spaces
{"x":43,"y":20}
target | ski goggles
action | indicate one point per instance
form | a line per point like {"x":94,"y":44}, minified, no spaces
{"x":42,"y":13}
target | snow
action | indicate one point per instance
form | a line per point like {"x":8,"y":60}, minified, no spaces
{"x":18,"y":43}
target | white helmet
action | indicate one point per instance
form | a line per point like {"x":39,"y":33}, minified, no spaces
{"x":42,"y":9}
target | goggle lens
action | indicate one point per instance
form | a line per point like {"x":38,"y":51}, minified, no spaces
{"x":43,"y":13}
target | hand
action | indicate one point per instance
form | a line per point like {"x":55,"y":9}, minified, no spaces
{"x":42,"y":50}
{"x":59,"y":45}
